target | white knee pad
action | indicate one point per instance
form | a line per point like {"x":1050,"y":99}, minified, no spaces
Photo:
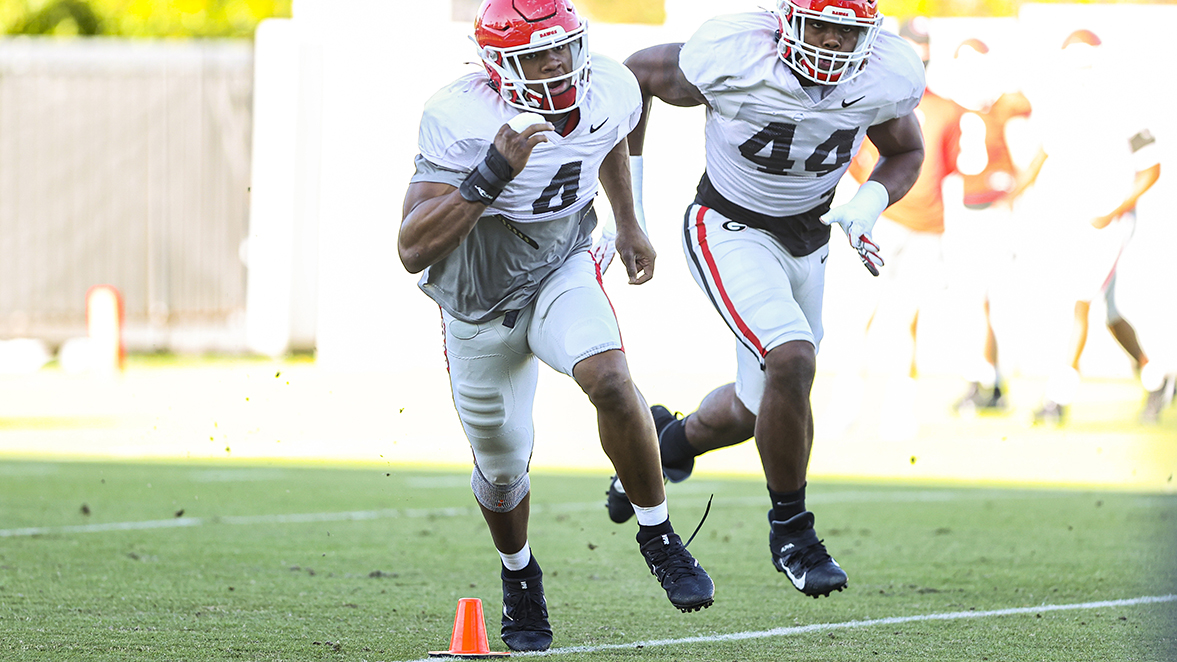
{"x":481,"y":407}
{"x":500,"y":435}
{"x":499,"y":498}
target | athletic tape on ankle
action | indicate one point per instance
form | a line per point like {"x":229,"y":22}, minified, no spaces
{"x":652,"y":516}
{"x":488,"y":179}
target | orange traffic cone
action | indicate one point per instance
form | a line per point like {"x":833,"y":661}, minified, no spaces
{"x":469,"y":638}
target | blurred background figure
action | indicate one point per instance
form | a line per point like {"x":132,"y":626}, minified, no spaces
{"x":1096,"y":160}
{"x":910,"y":232}
{"x":980,"y":232}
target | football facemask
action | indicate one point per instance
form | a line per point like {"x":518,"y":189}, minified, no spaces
{"x":822,"y":65}
{"x":508,"y":33}
{"x":554,"y":95}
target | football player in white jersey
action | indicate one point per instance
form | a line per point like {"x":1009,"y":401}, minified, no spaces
{"x":498,"y":217}
{"x":790,"y":95}
{"x":1070,"y":190}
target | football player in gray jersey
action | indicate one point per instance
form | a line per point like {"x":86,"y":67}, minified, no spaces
{"x":498,"y":217}
{"x":790,"y":95}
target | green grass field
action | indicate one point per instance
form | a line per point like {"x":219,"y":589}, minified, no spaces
{"x":269,"y":561}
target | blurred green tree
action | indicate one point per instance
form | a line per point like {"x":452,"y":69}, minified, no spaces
{"x":239,"y":18}
{"x":650,"y":12}
{"x":63,"y":17}
{"x":139,"y":18}
{"x":654,"y":11}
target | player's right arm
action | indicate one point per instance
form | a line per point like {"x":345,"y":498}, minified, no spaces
{"x":436,"y":217}
{"x":659,"y":76}
{"x":1027,"y":177}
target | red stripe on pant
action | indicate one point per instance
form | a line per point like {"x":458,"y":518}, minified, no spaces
{"x":711,"y":267}
{"x":445,"y":350}
{"x":601,"y":283}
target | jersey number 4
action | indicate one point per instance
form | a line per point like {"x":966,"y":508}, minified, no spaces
{"x":565,"y":183}
{"x":780,"y":136}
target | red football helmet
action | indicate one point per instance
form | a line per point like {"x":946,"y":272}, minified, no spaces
{"x":822,"y":65}
{"x":975,"y":44}
{"x":1079,"y":50}
{"x":976,"y":80}
{"x":1082,"y":37}
{"x":508,"y":30}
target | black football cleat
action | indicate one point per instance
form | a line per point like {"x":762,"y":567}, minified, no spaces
{"x":798,"y":553}
{"x":1050,"y":412}
{"x":525,"y":613}
{"x":686,"y":583}
{"x":979,"y":399}
{"x":675,"y":472}
{"x":620,"y":509}
{"x":1157,"y":401}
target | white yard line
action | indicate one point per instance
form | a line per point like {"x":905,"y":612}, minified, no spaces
{"x":851,"y":496}
{"x":856,"y":496}
{"x":182,"y":522}
{"x":848,"y":625}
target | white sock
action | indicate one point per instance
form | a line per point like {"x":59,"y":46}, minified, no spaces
{"x":617,"y":484}
{"x":982,"y":372}
{"x":518,"y":560}
{"x":1152,"y":376}
{"x":1061,"y":386}
{"x":652,"y":516}
{"x":987,"y":375}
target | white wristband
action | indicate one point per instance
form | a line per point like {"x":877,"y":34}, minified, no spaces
{"x":635,"y":178}
{"x":872,"y":199}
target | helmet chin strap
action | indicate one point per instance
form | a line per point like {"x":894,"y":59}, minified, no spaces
{"x":559,"y":102}
{"x":565,"y":99}
{"x":816,"y":75}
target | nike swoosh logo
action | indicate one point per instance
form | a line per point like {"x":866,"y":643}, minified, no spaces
{"x":593,"y":129}
{"x":847,"y":104}
{"x":799,"y":582}
{"x":823,"y":258}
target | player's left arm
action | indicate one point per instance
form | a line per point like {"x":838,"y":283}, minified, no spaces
{"x":901,"y":154}
{"x":1029,"y":175}
{"x":1148,"y":170}
{"x":1143,"y":182}
{"x":632,"y":243}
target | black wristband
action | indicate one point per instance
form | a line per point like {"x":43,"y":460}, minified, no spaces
{"x":488,"y":179}
{"x":498,"y":164}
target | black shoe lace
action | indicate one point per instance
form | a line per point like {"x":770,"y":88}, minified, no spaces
{"x":673,"y":562}
{"x":813,"y":555}
{"x":701,"y":520}
{"x":526,"y":609}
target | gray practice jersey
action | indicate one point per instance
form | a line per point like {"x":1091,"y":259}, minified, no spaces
{"x":544,"y":214}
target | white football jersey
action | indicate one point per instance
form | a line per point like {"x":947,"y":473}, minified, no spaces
{"x":460,"y":122}
{"x":1095,"y":143}
{"x":770,"y":147}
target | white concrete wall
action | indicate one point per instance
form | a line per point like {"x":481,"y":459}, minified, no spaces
{"x":282,"y":250}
